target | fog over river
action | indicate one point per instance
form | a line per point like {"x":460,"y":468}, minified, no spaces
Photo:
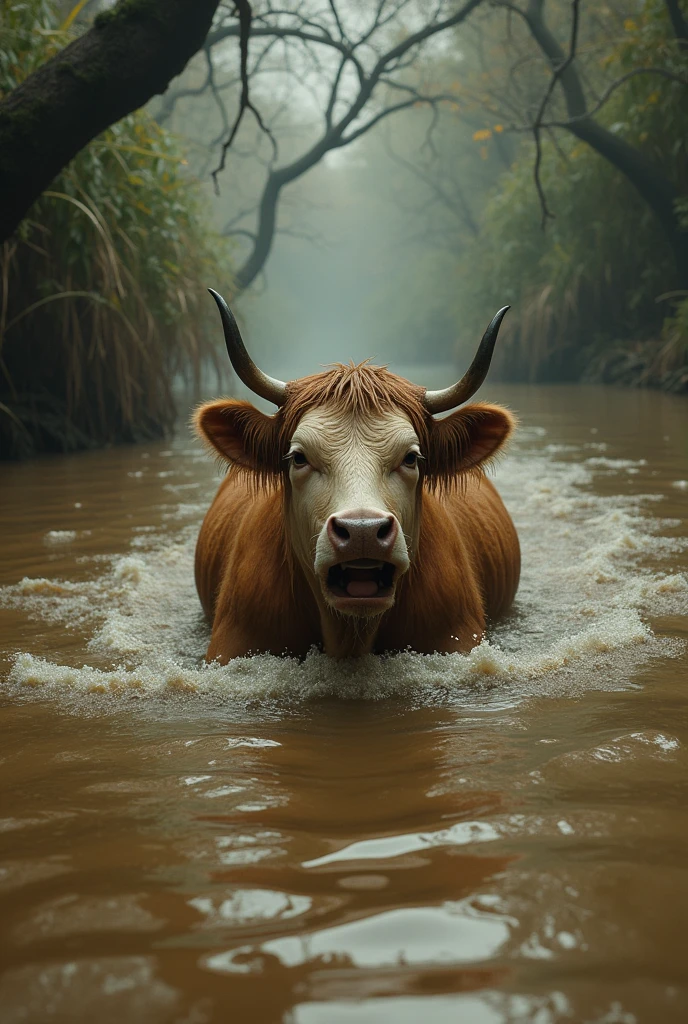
{"x":492,"y":837}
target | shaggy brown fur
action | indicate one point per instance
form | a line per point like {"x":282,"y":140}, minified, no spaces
{"x":467,"y":565}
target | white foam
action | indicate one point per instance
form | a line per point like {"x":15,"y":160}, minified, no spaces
{"x":56,"y":537}
{"x":601,"y":462}
{"x":590,"y":581}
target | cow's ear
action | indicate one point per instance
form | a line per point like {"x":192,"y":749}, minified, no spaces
{"x":241,"y":434}
{"x":466,"y":439}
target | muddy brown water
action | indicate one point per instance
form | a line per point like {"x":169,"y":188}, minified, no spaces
{"x":486,"y":838}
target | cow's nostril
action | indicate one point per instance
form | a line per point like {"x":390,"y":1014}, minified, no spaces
{"x":341,"y":531}
{"x":385,"y":529}
{"x":361,"y":534}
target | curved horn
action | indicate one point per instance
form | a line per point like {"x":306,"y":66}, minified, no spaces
{"x":449,"y":398}
{"x":270,"y":388}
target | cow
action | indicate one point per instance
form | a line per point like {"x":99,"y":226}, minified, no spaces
{"x":353,"y":519}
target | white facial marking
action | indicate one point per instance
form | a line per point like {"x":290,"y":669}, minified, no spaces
{"x":341,"y":463}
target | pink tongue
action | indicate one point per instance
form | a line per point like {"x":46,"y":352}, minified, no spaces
{"x":362,"y":588}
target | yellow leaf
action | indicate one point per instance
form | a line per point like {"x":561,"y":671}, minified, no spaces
{"x":498,"y":128}
{"x":74,"y":13}
{"x":630,"y":25}
{"x":653,"y":97}
{"x":482,"y":135}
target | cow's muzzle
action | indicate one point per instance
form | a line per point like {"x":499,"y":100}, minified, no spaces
{"x":362,"y":534}
{"x":367,"y":555}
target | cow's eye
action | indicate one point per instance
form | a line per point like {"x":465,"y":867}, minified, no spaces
{"x":299,"y":459}
{"x":411,"y":459}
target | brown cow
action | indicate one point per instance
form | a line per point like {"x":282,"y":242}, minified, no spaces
{"x":353,"y":518}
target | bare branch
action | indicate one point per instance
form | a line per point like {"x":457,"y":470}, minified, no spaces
{"x":215,"y":93}
{"x":662,"y":72}
{"x":346,"y":140}
{"x":331,"y":103}
{"x":243,"y":232}
{"x":280,"y":31}
{"x":173,"y":95}
{"x":245,"y":103}
{"x":558,"y":71}
{"x":348,"y":127}
{"x":335,"y":12}
{"x":237,"y":218}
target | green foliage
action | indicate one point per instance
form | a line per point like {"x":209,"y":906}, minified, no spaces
{"x":103,"y":296}
{"x":599,"y":271}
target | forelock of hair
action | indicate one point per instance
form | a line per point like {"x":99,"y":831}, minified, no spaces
{"x":360,"y":388}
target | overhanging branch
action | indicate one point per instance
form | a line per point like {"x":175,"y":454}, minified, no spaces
{"x":131,"y":54}
{"x":245,"y":103}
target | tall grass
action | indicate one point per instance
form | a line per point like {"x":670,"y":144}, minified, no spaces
{"x":103,"y":301}
{"x":594,"y":295}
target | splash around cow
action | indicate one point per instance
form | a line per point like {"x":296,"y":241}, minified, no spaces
{"x":353,"y":519}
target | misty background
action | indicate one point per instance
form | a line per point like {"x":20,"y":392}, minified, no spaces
{"x":359,"y":180}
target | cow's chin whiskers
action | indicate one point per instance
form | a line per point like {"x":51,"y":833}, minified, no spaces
{"x":349,"y":634}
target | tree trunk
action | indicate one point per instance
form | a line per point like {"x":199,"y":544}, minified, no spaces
{"x":646,"y":177}
{"x":267,"y":221}
{"x":131,"y":54}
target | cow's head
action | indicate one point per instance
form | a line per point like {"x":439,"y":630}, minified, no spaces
{"x":354,"y":446}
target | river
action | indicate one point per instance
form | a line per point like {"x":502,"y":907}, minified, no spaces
{"x":488,"y":838}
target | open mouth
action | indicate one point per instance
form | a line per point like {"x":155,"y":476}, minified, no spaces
{"x":362,"y":579}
